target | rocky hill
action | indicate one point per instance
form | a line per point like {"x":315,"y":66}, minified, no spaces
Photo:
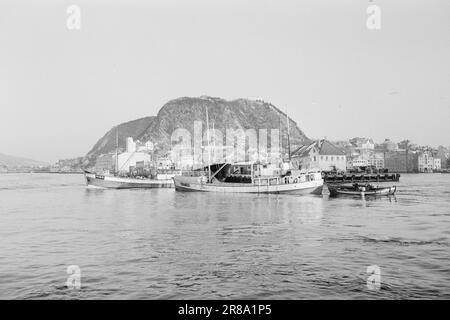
{"x":136,"y":129}
{"x":182,"y":112}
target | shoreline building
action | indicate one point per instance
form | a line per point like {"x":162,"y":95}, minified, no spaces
{"x":376,"y":160}
{"x":401,"y":161}
{"x":362,"y":152}
{"x":425,"y":162}
{"x":320,"y":154}
{"x":136,"y":155}
{"x":105,"y":163}
{"x":387,"y":146}
{"x":437,"y":164}
{"x":444,"y":155}
{"x":133,"y":158}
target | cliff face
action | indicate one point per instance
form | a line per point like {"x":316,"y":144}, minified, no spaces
{"x":183,"y":112}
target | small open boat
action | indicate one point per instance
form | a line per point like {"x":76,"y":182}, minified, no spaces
{"x":361,"y":190}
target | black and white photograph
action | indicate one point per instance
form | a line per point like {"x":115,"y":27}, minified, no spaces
{"x":236,"y":152}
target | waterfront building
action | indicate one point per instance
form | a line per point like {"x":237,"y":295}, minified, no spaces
{"x":105,"y":163}
{"x":144,"y":147}
{"x":401,"y":161}
{"x":131,"y":145}
{"x":425,"y":162}
{"x":138,"y":146}
{"x":363,"y":143}
{"x":367,"y":144}
{"x":55,"y":168}
{"x":443,"y":154}
{"x":376,"y":160}
{"x":388,"y":146}
{"x":128,"y":160}
{"x":68,"y":165}
{"x":359,"y":162}
{"x":366,"y":158}
{"x":320,"y":154}
{"x":362,"y":153}
{"x":436,"y":164}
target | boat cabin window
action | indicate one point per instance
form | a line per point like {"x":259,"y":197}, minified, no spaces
{"x":241,"y":170}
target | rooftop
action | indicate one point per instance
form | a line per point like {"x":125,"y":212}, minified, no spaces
{"x":323,"y":147}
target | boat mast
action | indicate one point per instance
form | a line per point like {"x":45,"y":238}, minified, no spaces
{"x":288,"y":137}
{"x":116,"y":165}
{"x":280,"y":137}
{"x":209,"y":151}
{"x":214,"y":142}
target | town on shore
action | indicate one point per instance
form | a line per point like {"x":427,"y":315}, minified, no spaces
{"x":339,"y":156}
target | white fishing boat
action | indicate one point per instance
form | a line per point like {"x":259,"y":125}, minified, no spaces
{"x":116,"y":182}
{"x":142,"y":178}
{"x":251,"y":178}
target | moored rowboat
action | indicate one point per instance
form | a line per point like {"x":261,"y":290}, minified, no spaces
{"x":361,"y":190}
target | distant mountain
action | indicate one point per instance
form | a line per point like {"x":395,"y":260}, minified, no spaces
{"x":182,"y":112}
{"x":15,"y":162}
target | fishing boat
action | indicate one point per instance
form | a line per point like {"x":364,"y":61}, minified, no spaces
{"x":117,"y":182}
{"x":142,"y":178}
{"x":250,"y":178}
{"x":361,"y":190}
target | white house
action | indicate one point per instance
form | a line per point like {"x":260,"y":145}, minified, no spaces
{"x":363,"y":143}
{"x":367,"y":144}
{"x":131,"y":145}
{"x":136,"y":153}
{"x":425,"y":162}
{"x":359,"y":162}
{"x":320,"y":154}
{"x":376,"y":159}
{"x":129,"y":159}
{"x":145,"y":147}
{"x":437,"y":164}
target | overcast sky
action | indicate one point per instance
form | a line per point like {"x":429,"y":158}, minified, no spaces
{"x":61,"y":89}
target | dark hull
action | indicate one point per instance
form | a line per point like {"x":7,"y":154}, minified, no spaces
{"x":336,"y":191}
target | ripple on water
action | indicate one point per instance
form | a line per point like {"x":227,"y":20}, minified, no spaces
{"x":160,"y":244}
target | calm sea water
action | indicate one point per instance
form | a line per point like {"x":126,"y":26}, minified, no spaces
{"x":162,"y":244}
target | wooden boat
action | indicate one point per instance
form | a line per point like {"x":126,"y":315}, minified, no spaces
{"x":117,"y":182}
{"x":361,"y":190}
{"x":251,"y":178}
{"x":128,"y":180}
